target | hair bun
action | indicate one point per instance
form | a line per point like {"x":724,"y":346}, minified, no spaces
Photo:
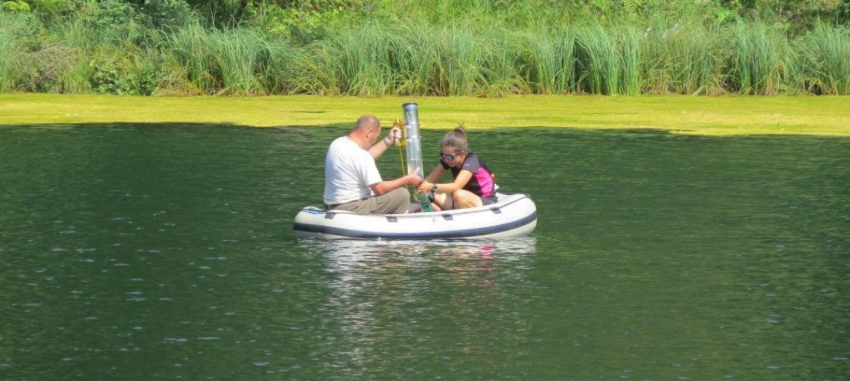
{"x":459,"y":129}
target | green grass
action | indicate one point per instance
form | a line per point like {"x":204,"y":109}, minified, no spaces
{"x":677,"y":114}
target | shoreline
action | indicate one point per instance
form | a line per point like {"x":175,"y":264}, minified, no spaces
{"x":685,"y":115}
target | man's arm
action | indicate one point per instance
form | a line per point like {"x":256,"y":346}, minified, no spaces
{"x":386,"y":186}
{"x":378,"y":149}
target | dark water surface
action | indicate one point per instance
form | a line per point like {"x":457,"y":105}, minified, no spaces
{"x":166,"y":252}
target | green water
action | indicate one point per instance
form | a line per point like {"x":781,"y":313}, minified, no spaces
{"x":166,"y":252}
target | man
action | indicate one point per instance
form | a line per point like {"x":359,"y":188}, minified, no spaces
{"x":352,"y":181}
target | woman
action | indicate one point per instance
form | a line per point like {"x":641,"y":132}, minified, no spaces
{"x":473,"y":182}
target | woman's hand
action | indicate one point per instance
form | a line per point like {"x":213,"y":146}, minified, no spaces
{"x":425,"y":187}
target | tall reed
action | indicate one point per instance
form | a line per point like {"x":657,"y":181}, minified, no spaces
{"x":237,"y":54}
{"x":460,"y":60}
{"x":824,"y":56}
{"x":501,"y":55}
{"x":28,"y":62}
{"x":630,"y":48}
{"x":699,"y":56}
{"x":189,"y":50}
{"x":92,"y":40}
{"x":759,"y":60}
{"x":375,"y":61}
{"x":598,"y":61}
{"x":8,"y":57}
{"x":226,"y":62}
{"x":276,"y":67}
{"x":684,"y":59}
{"x":352,"y":62}
{"x":548,"y":62}
{"x":415,"y":58}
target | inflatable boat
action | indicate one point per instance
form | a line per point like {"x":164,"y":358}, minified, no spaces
{"x":513,"y":216}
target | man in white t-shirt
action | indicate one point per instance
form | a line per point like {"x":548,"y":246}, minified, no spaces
{"x":352,"y":181}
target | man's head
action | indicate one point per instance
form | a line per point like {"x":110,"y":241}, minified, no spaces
{"x":366,"y":131}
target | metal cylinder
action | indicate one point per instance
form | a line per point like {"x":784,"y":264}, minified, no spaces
{"x":414,"y":145}
{"x":414,"y":150}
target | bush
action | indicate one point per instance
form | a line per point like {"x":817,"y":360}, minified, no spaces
{"x":166,"y":14}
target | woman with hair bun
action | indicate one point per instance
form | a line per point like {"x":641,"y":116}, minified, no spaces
{"x":473,"y":183}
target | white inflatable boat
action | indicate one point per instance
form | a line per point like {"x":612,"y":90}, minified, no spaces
{"x":514,"y":215}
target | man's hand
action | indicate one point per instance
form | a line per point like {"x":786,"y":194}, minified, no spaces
{"x":413,"y":178}
{"x":393,"y":137}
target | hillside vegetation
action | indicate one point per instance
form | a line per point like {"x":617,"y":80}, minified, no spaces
{"x":426,"y":47}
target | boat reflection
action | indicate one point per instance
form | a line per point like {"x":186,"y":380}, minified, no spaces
{"x":380,"y":291}
{"x":364,"y":260}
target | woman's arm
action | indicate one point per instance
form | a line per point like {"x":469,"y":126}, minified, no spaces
{"x":435,"y":175}
{"x":460,"y":181}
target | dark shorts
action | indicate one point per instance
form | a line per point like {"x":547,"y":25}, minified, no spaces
{"x":489,"y":200}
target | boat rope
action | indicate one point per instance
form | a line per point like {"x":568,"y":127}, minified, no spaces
{"x":401,"y":160}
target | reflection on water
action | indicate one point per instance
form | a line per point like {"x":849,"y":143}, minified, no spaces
{"x":141,"y":252}
{"x":411,"y":288}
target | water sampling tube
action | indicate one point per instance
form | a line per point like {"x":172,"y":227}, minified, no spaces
{"x":414,"y":150}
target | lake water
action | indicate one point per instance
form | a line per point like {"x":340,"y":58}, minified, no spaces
{"x":166,"y":252}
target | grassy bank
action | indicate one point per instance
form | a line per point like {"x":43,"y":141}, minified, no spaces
{"x":677,"y":114}
{"x":98,"y":49}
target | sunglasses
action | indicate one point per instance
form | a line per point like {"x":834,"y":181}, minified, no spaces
{"x":449,"y":157}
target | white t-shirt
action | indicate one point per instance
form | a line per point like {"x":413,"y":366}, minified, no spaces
{"x":349,"y":170}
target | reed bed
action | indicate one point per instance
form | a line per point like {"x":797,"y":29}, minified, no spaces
{"x":355,"y":61}
{"x":421,"y":58}
{"x":684,"y":60}
{"x":760,"y":61}
{"x":824,"y":61}
{"x":7,"y":52}
{"x":548,"y":62}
